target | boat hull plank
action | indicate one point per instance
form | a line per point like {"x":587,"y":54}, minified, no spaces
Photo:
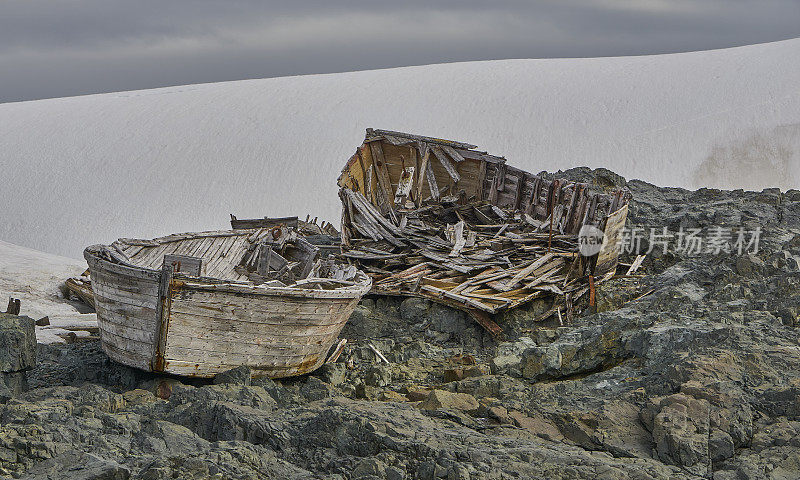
{"x":210,"y":329}
{"x":126,"y":306}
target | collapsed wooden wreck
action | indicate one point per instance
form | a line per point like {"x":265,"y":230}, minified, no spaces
{"x":421,"y":216}
{"x":440,"y":219}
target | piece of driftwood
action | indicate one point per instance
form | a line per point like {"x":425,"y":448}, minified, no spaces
{"x":337,"y":351}
{"x":635,"y":265}
{"x":480,"y":235}
{"x":81,"y":287}
{"x":246,"y":224}
{"x":377,"y":353}
{"x":225,"y":313}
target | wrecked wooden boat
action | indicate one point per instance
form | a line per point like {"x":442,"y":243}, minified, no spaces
{"x":437,"y":218}
{"x":197,"y":304}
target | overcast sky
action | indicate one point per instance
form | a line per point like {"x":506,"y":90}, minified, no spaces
{"x":54,"y":48}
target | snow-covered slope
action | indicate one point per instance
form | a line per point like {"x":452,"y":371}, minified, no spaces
{"x":90,"y":169}
{"x":36,"y":279}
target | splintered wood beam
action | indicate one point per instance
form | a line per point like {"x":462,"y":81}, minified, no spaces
{"x":432,"y":185}
{"x":414,"y":160}
{"x":453,"y":153}
{"x":404,"y":186}
{"x":526,"y":271}
{"x":423,"y":173}
{"x":364,"y":179}
{"x":466,"y":301}
{"x":607,"y":258}
{"x":521,"y":179}
{"x":481,"y":179}
{"x":420,"y":138}
{"x":370,"y":193}
{"x":381,"y":172}
{"x":449,"y":167}
{"x":501,"y":177}
{"x":493,"y":188}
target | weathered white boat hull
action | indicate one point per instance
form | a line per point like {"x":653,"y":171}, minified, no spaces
{"x":199,"y":327}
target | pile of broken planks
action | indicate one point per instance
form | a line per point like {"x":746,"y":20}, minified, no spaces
{"x":488,"y":259}
{"x":439,"y":219}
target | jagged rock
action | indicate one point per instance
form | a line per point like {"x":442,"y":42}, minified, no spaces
{"x":391,"y":396}
{"x":508,"y":358}
{"x":681,"y":432}
{"x":77,"y":465}
{"x":443,"y":400}
{"x":17,"y":353}
{"x":378,"y":376}
{"x":240,"y":375}
{"x":138,"y":397}
{"x":314,"y":389}
{"x":720,"y":446}
{"x":582,"y":351}
{"x":749,"y":265}
{"x":332,"y":373}
{"x":394,"y":473}
{"x":17,"y":343}
{"x":369,"y":467}
{"x":416,"y":394}
{"x":537,"y":425}
{"x":414,"y":309}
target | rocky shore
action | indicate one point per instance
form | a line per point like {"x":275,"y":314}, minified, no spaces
{"x":689,"y":370}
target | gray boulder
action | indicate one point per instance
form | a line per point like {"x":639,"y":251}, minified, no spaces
{"x":17,"y":353}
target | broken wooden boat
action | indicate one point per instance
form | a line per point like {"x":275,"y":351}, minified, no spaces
{"x":438,"y":218}
{"x":197,"y":304}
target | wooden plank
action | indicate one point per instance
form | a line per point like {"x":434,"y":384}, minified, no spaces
{"x":445,"y":162}
{"x":439,"y":141}
{"x":422,"y":177}
{"x":479,"y":194}
{"x":607,"y":258}
{"x":522,"y":274}
{"x":405,"y":185}
{"x":188,"y":265}
{"x":453,"y":153}
{"x":249,"y":224}
{"x":384,"y":182}
{"x":636,"y":264}
{"x":364,"y":179}
{"x":459,"y":298}
{"x":162,"y":316}
{"x":432,"y":185}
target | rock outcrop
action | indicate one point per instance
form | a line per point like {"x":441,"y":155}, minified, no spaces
{"x":690,"y":370}
{"x":17,"y":353}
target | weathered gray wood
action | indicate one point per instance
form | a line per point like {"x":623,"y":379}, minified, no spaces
{"x":457,"y":157}
{"x":449,"y":168}
{"x":432,"y":185}
{"x":239,"y":224}
{"x":422,"y":176}
{"x":186,"y":324}
{"x":384,"y":183}
{"x":439,"y":141}
{"x":185,"y":264}
{"x":405,"y":185}
{"x":607,"y":258}
{"x":162,"y":315}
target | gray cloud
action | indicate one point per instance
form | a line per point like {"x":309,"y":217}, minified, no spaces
{"x":52,"y":48}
